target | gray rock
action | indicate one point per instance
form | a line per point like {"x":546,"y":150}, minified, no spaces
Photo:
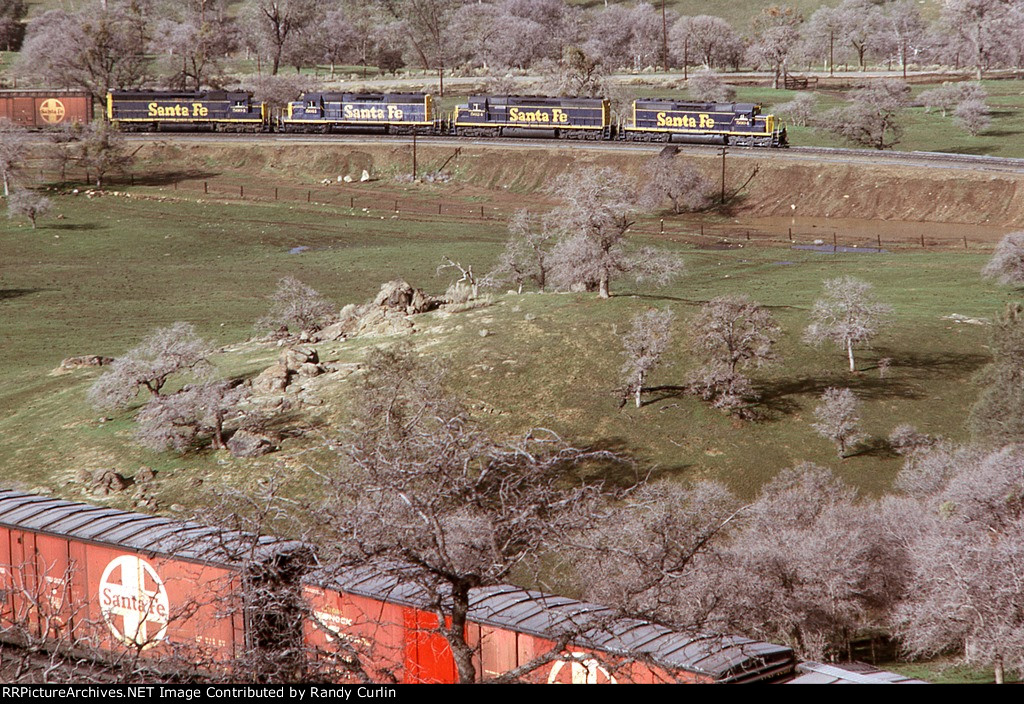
{"x":246,"y":443}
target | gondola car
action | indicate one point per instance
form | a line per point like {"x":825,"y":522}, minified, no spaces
{"x":386,"y":113}
{"x":533,"y":116}
{"x":740,"y":124}
{"x":217,"y":111}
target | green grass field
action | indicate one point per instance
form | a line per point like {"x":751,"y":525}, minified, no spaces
{"x":114,"y":268}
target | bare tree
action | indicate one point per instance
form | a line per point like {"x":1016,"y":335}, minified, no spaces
{"x":276,"y":24}
{"x":947,"y":96}
{"x":278,"y":91}
{"x":873,"y":117}
{"x":426,"y":497}
{"x":643,"y":347}
{"x":297,"y":306}
{"x":707,"y":40}
{"x":905,"y":29}
{"x":799,"y":110}
{"x":468,"y":280}
{"x":149,"y":365}
{"x":96,"y":50}
{"x":28,"y":204}
{"x":577,"y":73}
{"x":178,"y":420}
{"x":428,"y":25}
{"x":707,"y":86}
{"x":12,"y":13}
{"x":838,"y":417}
{"x":598,"y":208}
{"x":978,"y":26}
{"x":103,"y":151}
{"x":847,"y":315}
{"x":527,"y":252}
{"x":196,"y":39}
{"x":776,"y":34}
{"x":965,"y":595}
{"x":14,"y":149}
{"x":972,"y":116}
{"x":998,"y":415}
{"x":732,"y":333}
{"x":1007,"y":263}
{"x":678,"y":180}
{"x":862,"y":27}
{"x":786,"y":578}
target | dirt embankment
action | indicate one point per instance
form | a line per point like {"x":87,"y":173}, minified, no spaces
{"x":870,"y":192}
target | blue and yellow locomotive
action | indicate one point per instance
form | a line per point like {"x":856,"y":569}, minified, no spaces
{"x":387,"y":113}
{"x":218,"y":111}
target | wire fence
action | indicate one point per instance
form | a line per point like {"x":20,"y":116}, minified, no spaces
{"x":358,"y":198}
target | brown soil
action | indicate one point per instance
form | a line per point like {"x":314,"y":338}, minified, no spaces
{"x":503,"y":179}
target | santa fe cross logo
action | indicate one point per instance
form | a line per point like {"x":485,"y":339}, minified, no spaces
{"x":134,"y":602}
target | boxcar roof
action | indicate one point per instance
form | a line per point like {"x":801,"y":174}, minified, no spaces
{"x":589,"y":625}
{"x":849,"y":673}
{"x":135,"y":531}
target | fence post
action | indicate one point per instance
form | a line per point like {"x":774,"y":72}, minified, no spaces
{"x":175,"y":185}
{"x":206,"y":187}
{"x":396,"y":205}
{"x":965,"y":243}
{"x":438,"y":208}
{"x":879,"y":241}
{"x":352,"y":202}
{"x":791,"y":234}
{"x":481,"y":212}
{"x":309,"y":195}
{"x":748,"y":235}
{"x":275,"y":192}
{"x":663,"y":226}
{"x":702,"y":229}
{"x":241,"y":191}
{"x":922,"y":239}
{"x":835,"y":243}
{"x":132,"y":178}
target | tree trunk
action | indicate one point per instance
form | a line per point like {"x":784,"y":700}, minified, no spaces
{"x":603,"y":286}
{"x":639,"y":388}
{"x":849,"y":352}
{"x":7,"y":188}
{"x":999,"y":669}
{"x":456,"y":636}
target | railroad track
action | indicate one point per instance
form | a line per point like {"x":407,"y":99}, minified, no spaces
{"x":830,"y":155}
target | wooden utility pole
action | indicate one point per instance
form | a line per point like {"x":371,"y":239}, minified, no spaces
{"x":664,"y":36}
{"x":413,"y":153}
{"x":724,"y":150}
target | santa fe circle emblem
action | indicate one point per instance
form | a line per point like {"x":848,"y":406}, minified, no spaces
{"x":133,"y":601}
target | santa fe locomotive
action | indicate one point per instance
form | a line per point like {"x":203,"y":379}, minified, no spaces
{"x":481,"y":116}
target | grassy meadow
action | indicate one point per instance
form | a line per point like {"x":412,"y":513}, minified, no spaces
{"x":113,"y":268}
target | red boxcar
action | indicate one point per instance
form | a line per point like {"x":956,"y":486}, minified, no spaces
{"x":384,"y":621}
{"x":77,"y":575}
{"x":45,"y":108}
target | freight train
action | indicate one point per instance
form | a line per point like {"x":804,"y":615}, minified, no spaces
{"x":165,"y":591}
{"x":510,"y":116}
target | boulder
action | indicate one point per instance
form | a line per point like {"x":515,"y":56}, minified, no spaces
{"x":400,"y":296}
{"x":310,"y":370}
{"x":272,"y":380}
{"x":294,"y":357}
{"x":246,"y":443}
{"x":144,"y":475}
{"x":107,"y":481}
{"x":88,"y":360}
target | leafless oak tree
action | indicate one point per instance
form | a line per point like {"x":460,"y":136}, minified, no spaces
{"x":14,"y":149}
{"x":103,"y":151}
{"x":847,"y":315}
{"x":732,"y":333}
{"x":1007,"y":263}
{"x":872,"y":118}
{"x":998,"y":415}
{"x":164,"y":353}
{"x":178,"y":420}
{"x":707,"y":86}
{"x":643,"y":346}
{"x":297,"y":306}
{"x":28,"y":204}
{"x":678,"y":180}
{"x":599,"y":206}
{"x":838,"y":416}
{"x":527,"y":253}
{"x":967,"y":544}
{"x":425,"y":496}
{"x":276,"y":24}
